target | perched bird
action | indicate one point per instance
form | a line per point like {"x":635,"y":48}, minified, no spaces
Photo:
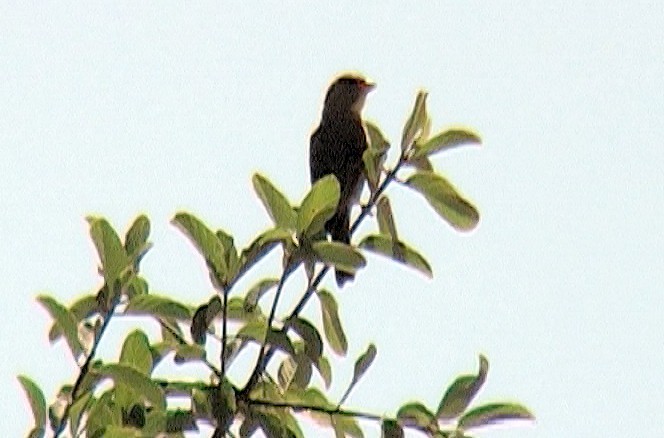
{"x":336,"y":148}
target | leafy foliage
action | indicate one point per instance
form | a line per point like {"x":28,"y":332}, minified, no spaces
{"x":139,"y":401}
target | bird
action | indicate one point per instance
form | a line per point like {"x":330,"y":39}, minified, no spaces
{"x":336,"y":148}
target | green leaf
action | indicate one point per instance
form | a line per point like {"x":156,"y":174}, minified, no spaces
{"x":114,"y":259}
{"x":282,"y":213}
{"x":318,"y":206}
{"x":339,"y":255}
{"x":331,"y":323}
{"x":386,"y":224}
{"x":189,"y":353}
{"x":256,"y":330}
{"x":230,"y":252}
{"x":137,"y":236}
{"x":135,"y":417}
{"x":76,"y":412}
{"x":373,"y":169}
{"x":275,"y":424}
{"x":36,"y":399}
{"x":391,"y":429}
{"x":280,"y":340}
{"x":159,"y":307}
{"x":313,"y":343}
{"x":136,"y":286}
{"x":445,"y":200}
{"x":238,"y":311}
{"x":67,"y":322}
{"x":179,"y":421}
{"x":103,"y":413}
{"x":397,"y":251}
{"x":257,"y":248}
{"x":82,"y":308}
{"x":415,"y":414}
{"x":325,"y":370}
{"x":267,"y":390}
{"x":122,"y":432}
{"x":261,"y":246}
{"x":420,"y":163}
{"x":377,"y":140}
{"x":426,"y":130}
{"x":136,"y":352}
{"x":461,"y":392}
{"x":301,"y":369}
{"x":286,"y":372}
{"x":141,"y":384}
{"x":346,"y":426}
{"x":199,"y":324}
{"x":56,"y":410}
{"x":288,"y":420}
{"x":363,"y":363}
{"x":314,"y":397}
{"x":253,"y":330}
{"x":37,"y":432}
{"x":257,"y":291}
{"x":446,"y":140}
{"x":493,"y":413}
{"x":206,"y":242}
{"x":416,"y":121}
{"x":375,"y":155}
{"x":206,"y":313}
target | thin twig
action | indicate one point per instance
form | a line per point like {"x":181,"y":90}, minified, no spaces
{"x":86,"y":366}
{"x":313,"y":285}
{"x":365,"y":211}
{"x":183,"y":341}
{"x":296,"y":407}
{"x":330,"y":411}
{"x":224,"y":335}
{"x":262,"y":358}
{"x":343,"y":398}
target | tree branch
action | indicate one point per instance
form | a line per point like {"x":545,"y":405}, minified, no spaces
{"x":86,"y":365}
{"x":331,"y":411}
{"x":224,"y":335}
{"x":365,"y":211}
{"x":262,"y":358}
{"x":266,"y":356}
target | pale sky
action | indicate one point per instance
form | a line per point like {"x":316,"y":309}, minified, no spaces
{"x":124,"y":108}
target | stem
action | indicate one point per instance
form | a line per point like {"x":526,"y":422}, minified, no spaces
{"x":331,"y":411}
{"x":345,"y":396}
{"x":224,"y":335}
{"x":86,"y":365}
{"x":296,"y":407}
{"x":266,"y":356}
{"x":365,"y":211}
{"x":182,"y":341}
{"x":263,"y":355}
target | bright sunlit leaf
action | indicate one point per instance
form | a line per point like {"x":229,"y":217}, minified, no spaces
{"x":446,"y":140}
{"x":445,"y":200}
{"x":416,"y":121}
{"x":461,"y":392}
{"x":67,"y":322}
{"x":492,"y":414}
{"x":318,"y":206}
{"x":276,"y":204}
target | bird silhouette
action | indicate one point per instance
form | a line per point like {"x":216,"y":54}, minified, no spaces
{"x":336,"y":148}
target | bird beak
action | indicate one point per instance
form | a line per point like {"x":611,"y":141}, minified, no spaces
{"x":367,"y":87}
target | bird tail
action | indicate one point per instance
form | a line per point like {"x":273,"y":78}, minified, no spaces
{"x":339,"y":228}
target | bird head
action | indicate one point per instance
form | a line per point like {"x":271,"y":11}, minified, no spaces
{"x":347,"y":94}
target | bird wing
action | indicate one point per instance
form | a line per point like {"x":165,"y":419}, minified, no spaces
{"x":337,"y":148}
